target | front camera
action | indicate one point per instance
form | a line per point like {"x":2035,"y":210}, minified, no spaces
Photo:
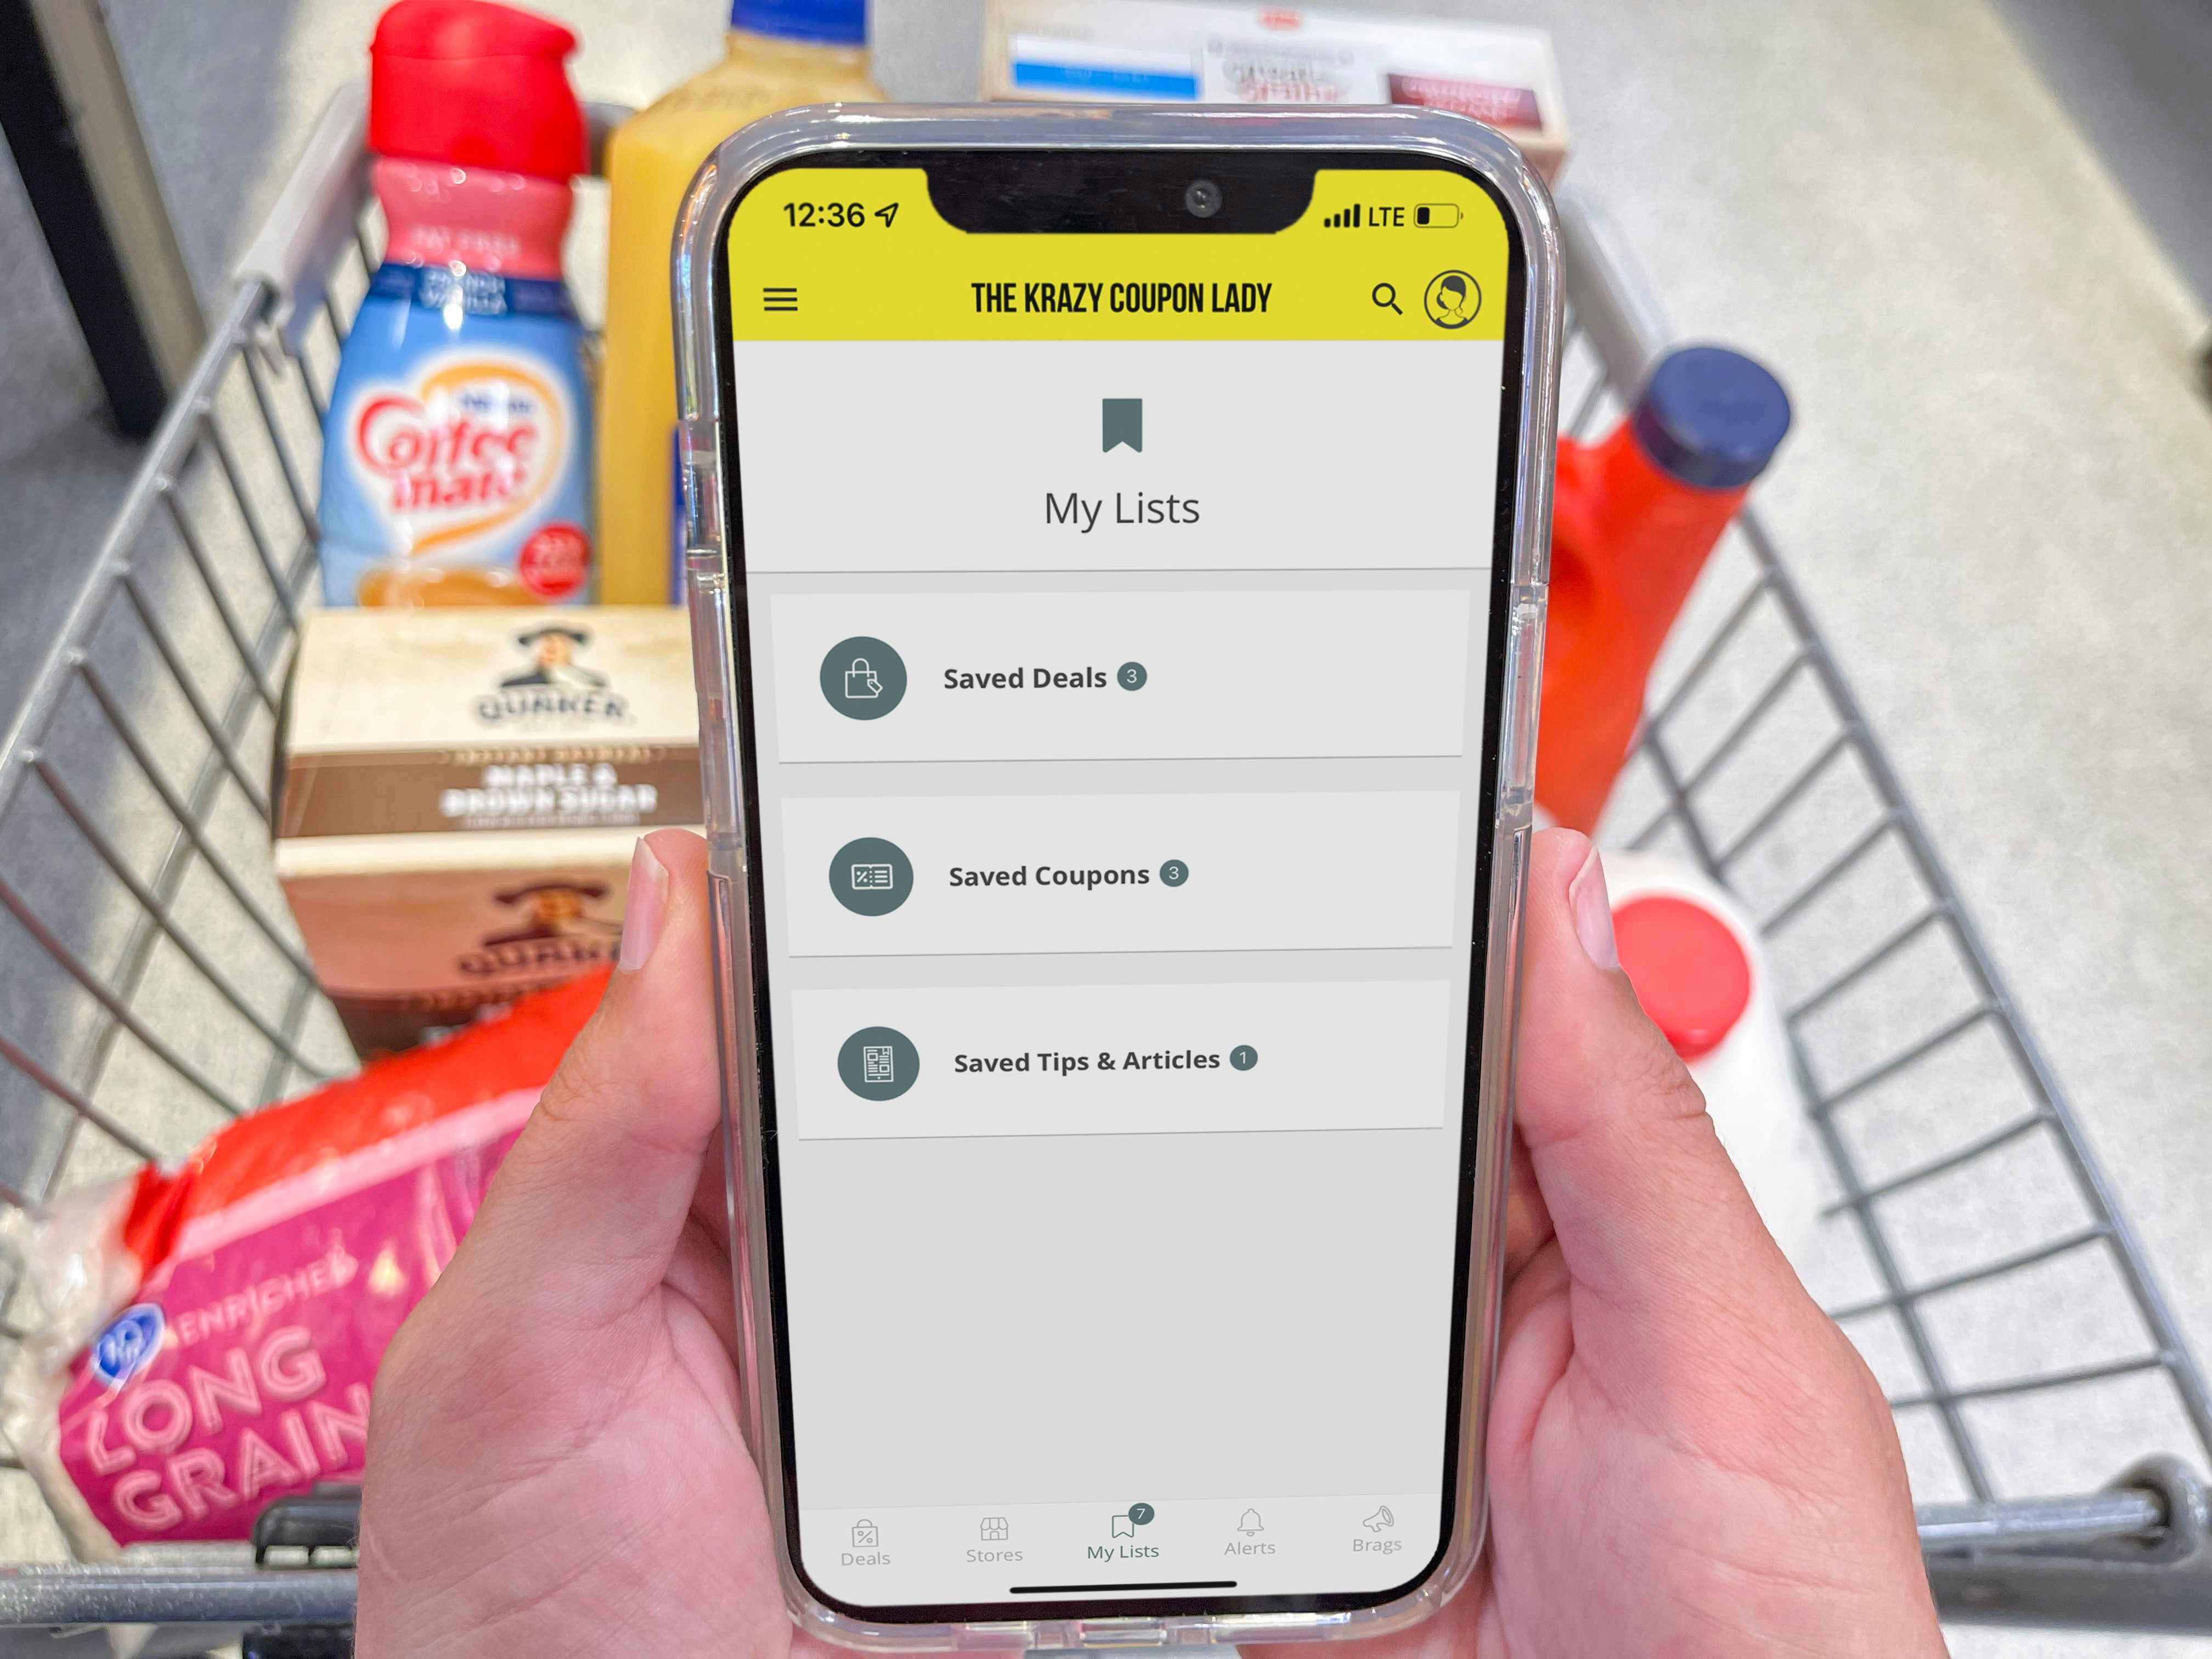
{"x":1203,"y":199}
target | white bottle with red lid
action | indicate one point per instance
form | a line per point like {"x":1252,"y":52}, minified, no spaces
{"x":457,"y":449}
{"x":1702,"y":976}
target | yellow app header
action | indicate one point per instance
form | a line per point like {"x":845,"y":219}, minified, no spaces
{"x":858,"y":254}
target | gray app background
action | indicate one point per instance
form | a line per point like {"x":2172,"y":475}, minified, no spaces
{"x":876,"y":1229}
{"x":883,"y":1233}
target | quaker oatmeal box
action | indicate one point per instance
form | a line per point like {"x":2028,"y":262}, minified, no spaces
{"x":460,"y":792}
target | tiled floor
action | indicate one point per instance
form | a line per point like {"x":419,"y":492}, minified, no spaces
{"x":1998,"y":496}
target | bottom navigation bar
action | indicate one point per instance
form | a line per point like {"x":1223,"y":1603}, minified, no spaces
{"x":1255,"y":1546}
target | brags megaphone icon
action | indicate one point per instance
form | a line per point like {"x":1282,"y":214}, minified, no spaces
{"x":861,"y":680}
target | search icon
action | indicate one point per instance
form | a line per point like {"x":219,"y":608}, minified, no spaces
{"x":1385,"y":294}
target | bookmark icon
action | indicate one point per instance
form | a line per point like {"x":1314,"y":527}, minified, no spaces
{"x":1120,"y":421}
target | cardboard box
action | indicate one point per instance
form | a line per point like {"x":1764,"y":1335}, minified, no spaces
{"x":460,"y":792}
{"x":1160,"y":51}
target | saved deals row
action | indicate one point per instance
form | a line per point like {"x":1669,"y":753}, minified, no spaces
{"x":945,"y":875}
{"x":1122,"y":675}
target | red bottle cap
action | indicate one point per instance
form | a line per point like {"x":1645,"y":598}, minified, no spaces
{"x":1690,"y":974}
{"x":476,"y":84}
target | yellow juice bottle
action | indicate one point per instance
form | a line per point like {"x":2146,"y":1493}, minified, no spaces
{"x":781,"y":52}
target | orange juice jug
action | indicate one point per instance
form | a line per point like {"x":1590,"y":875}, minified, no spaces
{"x":1633,"y":518}
{"x":780,"y":52}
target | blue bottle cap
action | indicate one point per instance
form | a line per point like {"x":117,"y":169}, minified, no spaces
{"x":1711,"y":417}
{"x":832,"y":22}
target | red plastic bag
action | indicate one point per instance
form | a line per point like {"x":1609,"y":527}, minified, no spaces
{"x":207,"y":1335}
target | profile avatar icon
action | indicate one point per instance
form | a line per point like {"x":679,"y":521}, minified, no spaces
{"x":554,"y":909}
{"x":1452,"y":300}
{"x":553,"y":660}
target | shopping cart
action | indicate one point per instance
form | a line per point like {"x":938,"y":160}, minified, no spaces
{"x":151,"y":984}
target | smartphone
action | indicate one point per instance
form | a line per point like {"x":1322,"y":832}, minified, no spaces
{"x":1115,"y":545}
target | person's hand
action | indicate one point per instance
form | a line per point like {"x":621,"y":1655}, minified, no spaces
{"x":1684,"y":1456}
{"x":555,"y":1465}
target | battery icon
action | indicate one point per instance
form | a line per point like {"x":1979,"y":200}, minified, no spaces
{"x":1436,"y":213}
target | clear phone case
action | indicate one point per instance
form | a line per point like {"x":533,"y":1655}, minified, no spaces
{"x":1414,"y":134}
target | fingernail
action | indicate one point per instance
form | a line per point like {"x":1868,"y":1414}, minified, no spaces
{"x":646,"y":909}
{"x":1593,"y":908}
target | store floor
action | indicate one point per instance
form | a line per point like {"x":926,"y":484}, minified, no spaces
{"x":1998,"y":496}
{"x":61,"y":468}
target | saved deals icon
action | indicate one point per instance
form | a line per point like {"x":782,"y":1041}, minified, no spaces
{"x":863,"y":679}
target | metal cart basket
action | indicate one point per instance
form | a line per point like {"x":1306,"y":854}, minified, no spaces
{"x":152,"y":986}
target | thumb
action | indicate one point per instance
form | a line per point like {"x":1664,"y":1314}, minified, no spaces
{"x":1651,"y":1217}
{"x":585,"y":1215}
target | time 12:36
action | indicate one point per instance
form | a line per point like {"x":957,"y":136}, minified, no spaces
{"x":836,"y":215}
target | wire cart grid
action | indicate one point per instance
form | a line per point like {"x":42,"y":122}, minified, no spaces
{"x":151,"y":986}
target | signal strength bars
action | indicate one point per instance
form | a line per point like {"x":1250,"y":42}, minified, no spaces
{"x":1343,"y":219}
{"x":778,"y":299}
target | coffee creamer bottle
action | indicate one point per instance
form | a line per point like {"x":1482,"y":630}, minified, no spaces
{"x":780,"y":54}
{"x":457,"y":452}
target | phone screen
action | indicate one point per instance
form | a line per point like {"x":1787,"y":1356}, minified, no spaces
{"x":1119,"y":554}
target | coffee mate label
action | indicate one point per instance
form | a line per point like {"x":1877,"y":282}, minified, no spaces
{"x":456,"y":463}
